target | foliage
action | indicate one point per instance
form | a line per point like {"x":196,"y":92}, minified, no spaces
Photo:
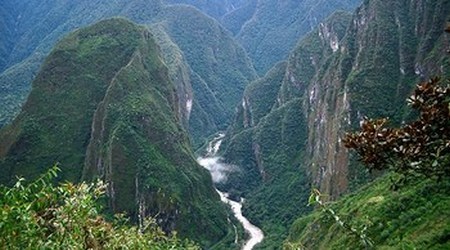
{"x":383,"y":56}
{"x":234,"y":20}
{"x":55,"y":122}
{"x":268,"y":139}
{"x":40,"y":215}
{"x":421,"y":146}
{"x":220,"y":69}
{"x":414,"y":216}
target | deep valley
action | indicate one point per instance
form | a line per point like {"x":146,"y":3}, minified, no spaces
{"x":234,"y":124}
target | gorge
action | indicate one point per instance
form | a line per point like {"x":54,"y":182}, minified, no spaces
{"x":219,"y":172}
{"x":134,"y":92}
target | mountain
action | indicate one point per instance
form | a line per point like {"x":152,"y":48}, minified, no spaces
{"x":347,"y":68}
{"x":267,"y":29}
{"x":269,"y":141}
{"x":234,"y":20}
{"x":35,"y":27}
{"x":215,"y":9}
{"x":386,"y":50}
{"x":103,"y":106}
{"x":216,"y":65}
{"x":275,"y":26}
{"x":219,"y":68}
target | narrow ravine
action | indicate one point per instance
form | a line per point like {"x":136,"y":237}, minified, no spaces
{"x":219,"y":172}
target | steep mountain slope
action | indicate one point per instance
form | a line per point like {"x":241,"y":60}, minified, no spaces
{"x":6,"y":41}
{"x":103,"y":106}
{"x":36,"y":26}
{"x":383,"y":50}
{"x":235,"y":20}
{"x":216,"y":64}
{"x":415,"y":216}
{"x":275,"y":27}
{"x":232,"y":14}
{"x":269,"y":139}
{"x":178,"y":69}
{"x":258,"y":100}
{"x":216,"y":9}
{"x":219,"y":68}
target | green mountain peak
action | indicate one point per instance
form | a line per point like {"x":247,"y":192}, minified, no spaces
{"x":103,"y":106}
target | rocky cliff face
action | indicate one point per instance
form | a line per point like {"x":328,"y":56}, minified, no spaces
{"x":347,"y":68}
{"x":387,"y":48}
{"x":323,"y":104}
{"x":103,"y":106}
{"x":271,"y":135}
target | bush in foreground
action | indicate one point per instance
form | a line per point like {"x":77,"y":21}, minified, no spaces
{"x":41,"y":215}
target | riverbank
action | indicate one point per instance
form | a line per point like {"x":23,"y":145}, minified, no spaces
{"x":219,"y":172}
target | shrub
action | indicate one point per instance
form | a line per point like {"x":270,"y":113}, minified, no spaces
{"x":421,"y":147}
{"x":40,"y":215}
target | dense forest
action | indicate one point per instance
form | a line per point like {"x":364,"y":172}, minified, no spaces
{"x":149,"y":124}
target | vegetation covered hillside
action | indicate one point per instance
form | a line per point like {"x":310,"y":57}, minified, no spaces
{"x":215,"y":62}
{"x":384,"y":53}
{"x":103,"y":106}
{"x":276,"y":26}
{"x":415,"y":216}
{"x":382,"y":49}
{"x":35,"y":26}
{"x":408,"y":207}
{"x":216,"y":9}
{"x":268,"y":140}
{"x":219,"y":68}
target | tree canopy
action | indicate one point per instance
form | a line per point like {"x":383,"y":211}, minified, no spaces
{"x":421,"y":146}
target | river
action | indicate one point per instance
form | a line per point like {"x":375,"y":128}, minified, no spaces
{"x":219,"y":172}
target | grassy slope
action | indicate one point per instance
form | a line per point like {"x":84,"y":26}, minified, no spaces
{"x":415,"y":216}
{"x":103,"y":99}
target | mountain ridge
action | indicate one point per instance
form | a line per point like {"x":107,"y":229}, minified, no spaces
{"x":104,"y":100}
{"x":14,"y":82}
{"x":275,"y":27}
{"x":328,"y":75}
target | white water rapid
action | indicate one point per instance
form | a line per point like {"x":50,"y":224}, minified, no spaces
{"x":219,"y":172}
